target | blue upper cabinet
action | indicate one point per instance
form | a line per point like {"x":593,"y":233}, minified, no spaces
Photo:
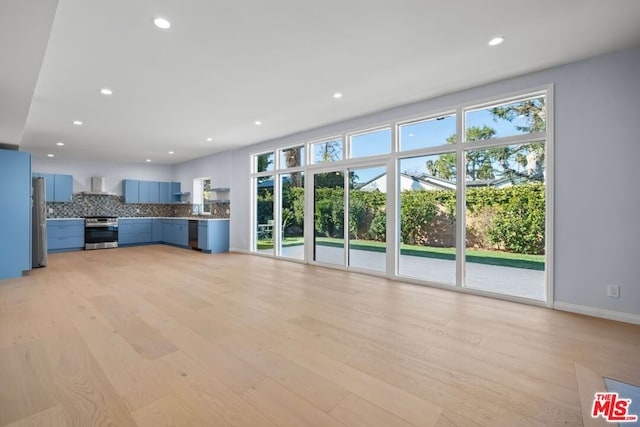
{"x":175,"y":192}
{"x":15,"y":209}
{"x":131,"y":190}
{"x":145,"y":193}
{"x":135,"y":191}
{"x":58,"y":188}
{"x":154,"y":192}
{"x":48,"y":185}
{"x":165,"y":192}
{"x":62,"y":188}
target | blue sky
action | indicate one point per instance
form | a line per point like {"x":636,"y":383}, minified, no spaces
{"x":422,"y":134}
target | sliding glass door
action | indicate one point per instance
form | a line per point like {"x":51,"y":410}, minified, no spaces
{"x":328,"y":207}
{"x":360,"y":244}
{"x":291,"y":242}
{"x":505,"y":222}
{"x":427,"y":218}
{"x":368,"y":218}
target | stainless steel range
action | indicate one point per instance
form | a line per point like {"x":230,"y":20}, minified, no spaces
{"x":100,"y":232}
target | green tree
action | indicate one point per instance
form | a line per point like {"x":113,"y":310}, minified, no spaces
{"x":330,"y":151}
{"x":293,"y":158}
{"x":529,"y":156}
{"x":533,"y":111}
{"x":498,"y":162}
{"x":479,"y":163}
{"x":264,"y":161}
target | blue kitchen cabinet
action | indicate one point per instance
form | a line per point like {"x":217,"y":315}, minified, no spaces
{"x":154,"y":192}
{"x":134,"y":231}
{"x":156,"y":230}
{"x":175,"y":232}
{"x":167,"y":231}
{"x":213,"y":236}
{"x":48,"y":185}
{"x":149,"y":192}
{"x":62,"y":188}
{"x":176,"y":193}
{"x":182,"y":232}
{"x":65,"y":235}
{"x":136,"y":191}
{"x":131,"y":190}
{"x":145,"y":192}
{"x":165,"y":195}
{"x":58,"y":188}
{"x":15,"y":211}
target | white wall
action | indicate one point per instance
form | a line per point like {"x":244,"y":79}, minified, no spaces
{"x":114,"y":173}
{"x":217,"y":167}
{"x":597,"y":233}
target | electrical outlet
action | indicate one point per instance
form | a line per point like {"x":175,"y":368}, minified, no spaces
{"x":613,"y":291}
{"x":137,"y":210}
{"x":50,"y":210}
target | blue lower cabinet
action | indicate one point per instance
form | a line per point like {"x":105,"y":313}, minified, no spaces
{"x":156,"y":230}
{"x":181,"y":232}
{"x":203,"y":236}
{"x":175,"y":232}
{"x":213,"y":236}
{"x":65,"y":235}
{"x":167,"y":231}
{"x":134,"y":231}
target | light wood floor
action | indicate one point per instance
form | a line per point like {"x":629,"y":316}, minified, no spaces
{"x":155,"y":336}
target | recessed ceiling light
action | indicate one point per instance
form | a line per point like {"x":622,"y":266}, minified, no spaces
{"x":496,"y":41}
{"x":77,"y":122}
{"x":209,"y":139}
{"x":59,"y":144}
{"x":170,"y":152}
{"x":257,"y":123}
{"x":337,"y":95}
{"x":162,"y":23}
{"x":410,"y":134}
{"x":106,"y":91}
{"x":148,"y":160}
{"x":50,"y":155}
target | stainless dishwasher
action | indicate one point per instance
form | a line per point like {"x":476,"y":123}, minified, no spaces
{"x":193,"y":233}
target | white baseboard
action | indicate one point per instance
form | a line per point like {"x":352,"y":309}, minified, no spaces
{"x":598,"y":312}
{"x":241,"y":251}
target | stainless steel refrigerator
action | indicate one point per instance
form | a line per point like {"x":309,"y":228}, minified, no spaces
{"x":38,"y":224}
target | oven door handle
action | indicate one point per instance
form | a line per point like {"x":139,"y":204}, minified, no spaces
{"x":103,"y":225}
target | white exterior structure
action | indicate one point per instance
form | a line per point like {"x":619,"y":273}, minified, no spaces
{"x":408,"y":182}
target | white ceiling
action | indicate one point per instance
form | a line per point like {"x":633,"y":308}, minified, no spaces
{"x":226,"y":63}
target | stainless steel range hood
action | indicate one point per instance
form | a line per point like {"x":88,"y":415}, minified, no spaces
{"x":98,"y":187}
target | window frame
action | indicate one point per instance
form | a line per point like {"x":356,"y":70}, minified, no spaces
{"x":393,"y":158}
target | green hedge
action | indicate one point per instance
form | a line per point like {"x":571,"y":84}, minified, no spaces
{"x":509,"y":218}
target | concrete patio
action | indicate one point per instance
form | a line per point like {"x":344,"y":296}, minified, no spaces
{"x":518,"y":282}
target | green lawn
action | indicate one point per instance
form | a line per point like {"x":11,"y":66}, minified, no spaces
{"x":480,"y":256}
